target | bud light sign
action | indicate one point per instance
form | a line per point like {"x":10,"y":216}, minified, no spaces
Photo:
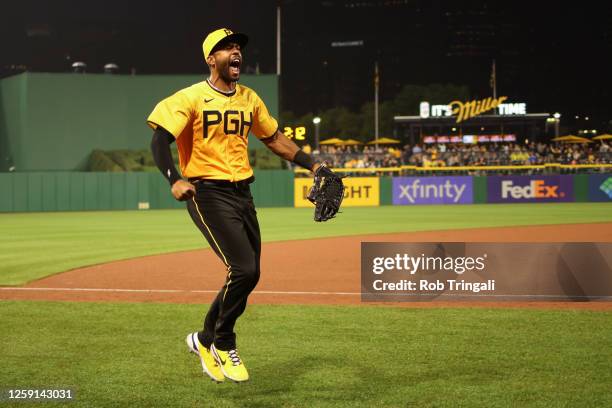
{"x":432,"y":190}
{"x":530,"y":189}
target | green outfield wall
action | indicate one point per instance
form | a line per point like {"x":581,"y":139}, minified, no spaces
{"x":79,"y":191}
{"x":54,"y":121}
{"x":386,"y":186}
{"x":82,"y":191}
{"x":581,"y":187}
{"x":480,"y":189}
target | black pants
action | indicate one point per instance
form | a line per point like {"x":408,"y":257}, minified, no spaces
{"x":226,"y":215}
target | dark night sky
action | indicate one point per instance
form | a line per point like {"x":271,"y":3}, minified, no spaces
{"x":555,"y":57}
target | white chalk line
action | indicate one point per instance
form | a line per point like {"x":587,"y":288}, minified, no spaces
{"x":369,"y":296}
{"x":260,"y":292}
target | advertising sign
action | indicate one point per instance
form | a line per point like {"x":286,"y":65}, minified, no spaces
{"x":360,"y":191}
{"x":432,"y":190}
{"x":530,"y":189}
{"x":600,"y":187}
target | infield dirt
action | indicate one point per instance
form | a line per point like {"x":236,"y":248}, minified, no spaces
{"x":315,"y":271}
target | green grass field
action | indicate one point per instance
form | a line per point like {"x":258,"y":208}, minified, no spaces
{"x":310,"y":356}
{"x":35,"y":245}
{"x":131,"y":354}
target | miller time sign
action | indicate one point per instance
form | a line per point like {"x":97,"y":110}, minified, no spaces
{"x":466,"y":110}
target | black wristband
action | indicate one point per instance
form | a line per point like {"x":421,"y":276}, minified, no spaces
{"x":303,"y":159}
{"x":173,"y":177}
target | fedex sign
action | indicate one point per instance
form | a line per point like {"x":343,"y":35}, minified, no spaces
{"x":535,"y":189}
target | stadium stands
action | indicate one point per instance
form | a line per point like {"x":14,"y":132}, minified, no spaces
{"x":458,"y":155}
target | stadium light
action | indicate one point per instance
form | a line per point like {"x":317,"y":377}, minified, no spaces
{"x":317,"y":121}
{"x":557,"y":119}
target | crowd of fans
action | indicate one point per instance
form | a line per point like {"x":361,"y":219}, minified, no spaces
{"x":484,"y":154}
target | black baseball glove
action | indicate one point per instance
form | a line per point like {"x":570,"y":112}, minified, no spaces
{"x":326,"y":193}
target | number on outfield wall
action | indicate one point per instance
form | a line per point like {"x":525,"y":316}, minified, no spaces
{"x":298,"y":132}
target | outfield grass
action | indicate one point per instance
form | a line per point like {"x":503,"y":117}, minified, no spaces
{"x":313,"y":356}
{"x":34,"y":245}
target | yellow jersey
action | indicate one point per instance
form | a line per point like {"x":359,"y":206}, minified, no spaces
{"x":211,"y":129}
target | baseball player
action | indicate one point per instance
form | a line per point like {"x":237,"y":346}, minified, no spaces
{"x":210,"y":122}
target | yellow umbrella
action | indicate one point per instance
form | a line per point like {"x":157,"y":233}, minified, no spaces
{"x":352,"y":142}
{"x":605,"y":136}
{"x":332,"y":141}
{"x":571,"y":139}
{"x":384,"y":140}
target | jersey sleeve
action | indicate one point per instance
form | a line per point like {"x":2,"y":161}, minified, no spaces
{"x":173,"y":114}
{"x":264,"y":125}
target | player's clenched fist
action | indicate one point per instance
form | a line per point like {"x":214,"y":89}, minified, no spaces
{"x":183,"y":190}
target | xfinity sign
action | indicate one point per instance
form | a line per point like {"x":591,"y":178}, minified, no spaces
{"x":432,"y":190}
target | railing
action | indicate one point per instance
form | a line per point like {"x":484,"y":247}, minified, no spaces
{"x":548,"y":168}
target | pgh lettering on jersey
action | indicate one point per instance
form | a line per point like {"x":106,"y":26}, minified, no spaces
{"x":211,"y":129}
{"x":234,"y":122}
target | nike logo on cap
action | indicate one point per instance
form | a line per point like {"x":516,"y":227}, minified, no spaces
{"x":208,"y":100}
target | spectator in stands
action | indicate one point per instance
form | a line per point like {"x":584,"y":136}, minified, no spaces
{"x":491,"y":154}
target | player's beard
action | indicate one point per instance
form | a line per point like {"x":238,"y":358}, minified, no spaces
{"x":224,"y":73}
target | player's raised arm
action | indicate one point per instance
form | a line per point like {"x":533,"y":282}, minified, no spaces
{"x":288,"y":150}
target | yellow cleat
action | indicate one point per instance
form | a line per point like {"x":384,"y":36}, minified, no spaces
{"x":231,"y":364}
{"x":209,"y":364}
